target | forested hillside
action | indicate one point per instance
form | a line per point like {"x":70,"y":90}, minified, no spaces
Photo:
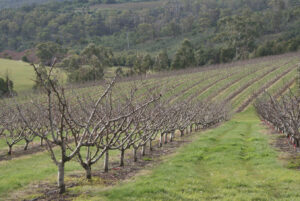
{"x":220,"y":31}
{"x":20,"y":3}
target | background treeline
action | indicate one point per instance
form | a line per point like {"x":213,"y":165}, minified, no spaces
{"x":220,"y":31}
{"x":93,"y":61}
{"x":20,"y":3}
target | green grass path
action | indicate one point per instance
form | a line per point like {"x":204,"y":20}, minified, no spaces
{"x":232,"y":162}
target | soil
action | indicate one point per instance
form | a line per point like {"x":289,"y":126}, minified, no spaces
{"x":283,"y":144}
{"x":116,"y":173}
{"x":19,"y":151}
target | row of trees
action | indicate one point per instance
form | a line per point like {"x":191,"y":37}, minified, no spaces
{"x":184,"y":58}
{"x":24,"y":3}
{"x":91,"y":62}
{"x":283,"y":114}
{"x":88,"y":128}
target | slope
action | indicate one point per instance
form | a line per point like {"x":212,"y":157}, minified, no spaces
{"x":231,"y":162}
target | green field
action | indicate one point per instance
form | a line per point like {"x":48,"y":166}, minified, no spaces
{"x":23,"y":76}
{"x":20,"y":73}
{"x":232,"y":162}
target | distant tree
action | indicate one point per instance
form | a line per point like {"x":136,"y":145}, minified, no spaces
{"x":6,"y":87}
{"x":89,"y":65}
{"x":185,"y":56}
{"x":137,"y":66}
{"x":276,"y":14}
{"x":144,"y":32}
{"x":171,"y":29}
{"x":239,"y":32}
{"x":162,"y":61}
{"x":41,"y":72}
{"x":147,"y":63}
{"x":142,"y":64}
{"x":49,"y":50}
{"x":207,"y":56}
{"x":119,"y":72}
{"x":71,"y":63}
{"x":227,"y":54}
{"x":25,"y":59}
{"x":86,"y":73}
{"x":109,"y":1}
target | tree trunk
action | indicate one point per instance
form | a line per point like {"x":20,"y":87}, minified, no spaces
{"x":122,"y":158}
{"x":181,"y":133}
{"x":88,"y":172}
{"x":143,"y":152}
{"x":26,"y":145}
{"x":9,"y":149}
{"x":166,"y":138}
{"x":191,"y":128}
{"x":106,"y":161}
{"x":172,"y":136}
{"x":296,"y":142}
{"x":150,"y":145}
{"x":161,"y":140}
{"x":41,"y":142}
{"x":61,"y":177}
{"x":134,"y":155}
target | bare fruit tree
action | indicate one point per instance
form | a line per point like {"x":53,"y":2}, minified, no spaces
{"x":282,"y":113}
{"x":87,"y":128}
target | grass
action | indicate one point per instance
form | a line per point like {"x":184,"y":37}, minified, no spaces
{"x":231,"y":162}
{"x":20,"y":73}
{"x":18,"y":173}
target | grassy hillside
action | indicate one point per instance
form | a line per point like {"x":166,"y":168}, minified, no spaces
{"x":20,"y":73}
{"x":237,"y":148}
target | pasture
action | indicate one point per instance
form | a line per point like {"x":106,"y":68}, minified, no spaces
{"x":20,"y":73}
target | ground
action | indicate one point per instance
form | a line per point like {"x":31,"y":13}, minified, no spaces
{"x":235,"y":161}
{"x":20,"y":73}
{"x":23,"y":75}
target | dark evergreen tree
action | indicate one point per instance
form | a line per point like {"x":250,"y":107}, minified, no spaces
{"x":162,"y":61}
{"x":185,"y":56}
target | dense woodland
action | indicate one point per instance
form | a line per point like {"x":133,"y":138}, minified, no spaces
{"x":149,"y":35}
{"x":20,"y":3}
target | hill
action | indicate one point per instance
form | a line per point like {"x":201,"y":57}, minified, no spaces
{"x":20,"y":3}
{"x":232,"y":162}
{"x":238,"y":140}
{"x":22,"y":74}
{"x":261,"y":27}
